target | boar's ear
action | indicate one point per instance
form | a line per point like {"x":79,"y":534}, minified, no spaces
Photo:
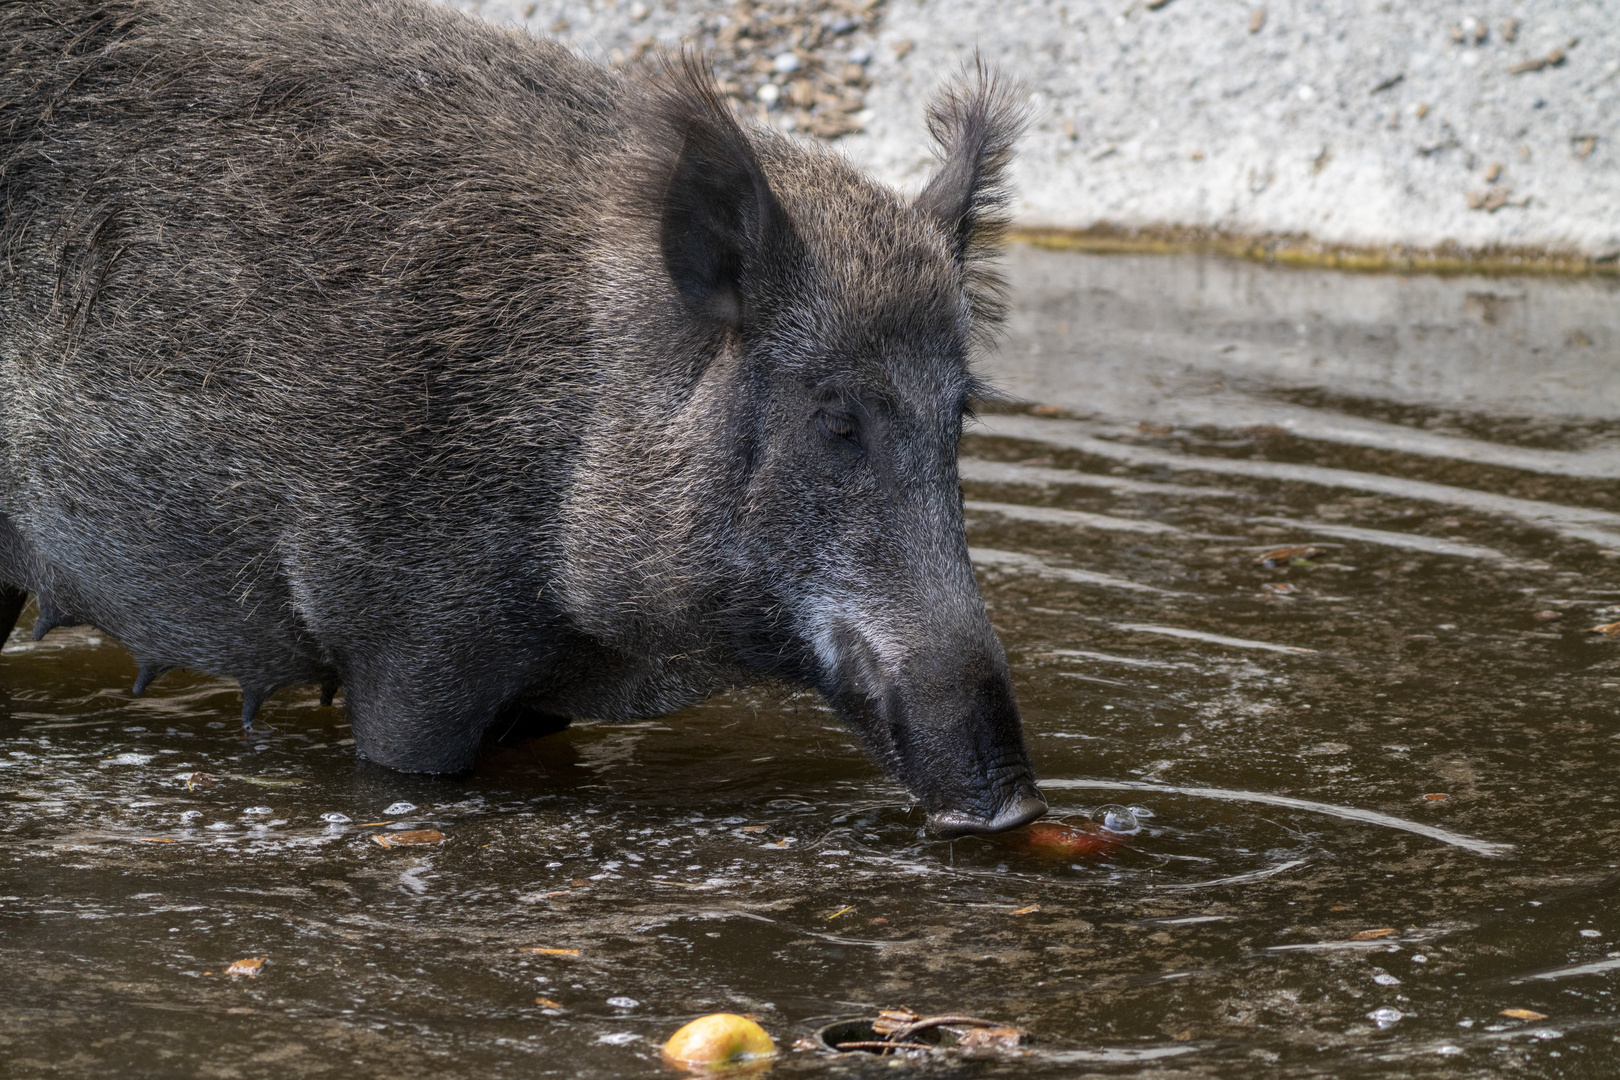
{"x":719,"y":218}
{"x":975,"y":122}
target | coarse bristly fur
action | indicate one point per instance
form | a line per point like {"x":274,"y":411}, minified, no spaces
{"x":360,"y":342}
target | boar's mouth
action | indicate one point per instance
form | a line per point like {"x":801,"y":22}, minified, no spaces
{"x":1020,"y":810}
{"x":945,"y":724}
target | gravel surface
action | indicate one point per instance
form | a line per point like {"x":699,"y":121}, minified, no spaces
{"x":1430,"y":125}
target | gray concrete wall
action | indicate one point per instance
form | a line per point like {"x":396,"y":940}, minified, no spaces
{"x":1484,"y":124}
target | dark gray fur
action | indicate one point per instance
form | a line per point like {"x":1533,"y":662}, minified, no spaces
{"x":359,"y":341}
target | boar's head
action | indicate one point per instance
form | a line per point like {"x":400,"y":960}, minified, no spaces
{"x":792,"y":507}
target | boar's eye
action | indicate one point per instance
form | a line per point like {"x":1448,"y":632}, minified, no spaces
{"x":842,"y":426}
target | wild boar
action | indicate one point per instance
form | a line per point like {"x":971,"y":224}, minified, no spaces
{"x":359,"y":343}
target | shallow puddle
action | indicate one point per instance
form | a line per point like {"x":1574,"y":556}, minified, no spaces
{"x":1381,"y":776}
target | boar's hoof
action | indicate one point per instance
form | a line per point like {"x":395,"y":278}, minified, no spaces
{"x":1020,"y":811}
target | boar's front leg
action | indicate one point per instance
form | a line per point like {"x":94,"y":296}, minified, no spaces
{"x":12,"y":602}
{"x":418,"y":716}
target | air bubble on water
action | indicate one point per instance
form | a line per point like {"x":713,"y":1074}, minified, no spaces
{"x":259,"y":810}
{"x":1591,"y":933}
{"x":617,"y":1038}
{"x":1116,"y":819}
{"x":623,"y":1002}
{"x":1384,"y":978}
{"x":1142,"y":813}
{"x":335,"y":818}
{"x":399,"y":808}
{"x":1385,"y":1016}
{"x":189,"y":816}
{"x":1448,"y":1049}
{"x":220,"y":826}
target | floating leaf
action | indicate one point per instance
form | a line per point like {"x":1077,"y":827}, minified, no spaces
{"x":553,"y":952}
{"x":409,"y":838}
{"x":1523,"y":1014}
{"x":1287,"y":554}
{"x":1372,"y":935}
{"x":248,"y":967}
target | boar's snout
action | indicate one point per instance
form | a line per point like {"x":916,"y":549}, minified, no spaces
{"x":1019,"y":810}
{"x":943,"y":718}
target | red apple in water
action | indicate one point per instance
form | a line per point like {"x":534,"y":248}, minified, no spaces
{"x":1057,"y":840}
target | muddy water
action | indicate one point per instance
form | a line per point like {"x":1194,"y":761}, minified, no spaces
{"x":1302,"y":901}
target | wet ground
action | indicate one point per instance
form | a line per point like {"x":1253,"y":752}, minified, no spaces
{"x":1381,"y":774}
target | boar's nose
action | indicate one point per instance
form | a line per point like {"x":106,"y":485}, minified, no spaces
{"x":1019,"y":810}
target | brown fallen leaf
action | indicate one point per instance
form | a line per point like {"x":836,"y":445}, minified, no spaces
{"x":1287,"y":554}
{"x":372,"y":824}
{"x":1523,"y":1014}
{"x":577,"y":883}
{"x":753,"y":828}
{"x":891,"y":1020}
{"x":990,"y":1038}
{"x":1370,"y":935}
{"x":200,"y":780}
{"x":156,"y":840}
{"x":1340,"y":907}
{"x":547,"y":1003}
{"x":1032,"y":909}
{"x":1047,"y":410}
{"x":1182,"y":1036}
{"x":409,"y":838}
{"x":1607,"y":629}
{"x":553,"y":952}
{"x":248,"y":967}
{"x":1436,"y":796}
